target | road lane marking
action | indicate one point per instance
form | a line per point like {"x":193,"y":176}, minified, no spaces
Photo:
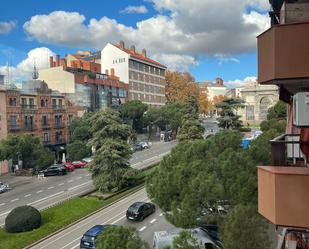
{"x":40,"y":191}
{"x":153,"y":221}
{"x":80,"y":185}
{"x":97,"y":216}
{"x":60,"y":184}
{"x":78,"y":178}
{"x":2,"y":204}
{"x":27,"y":195}
{"x":70,"y":180}
{"x":142,"y":229}
{"x":161,"y":214}
{"x":15,"y":200}
{"x":50,"y":188}
{"x":46,"y":198}
{"x":88,"y":174}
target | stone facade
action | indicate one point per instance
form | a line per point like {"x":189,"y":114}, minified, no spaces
{"x":258,"y":99}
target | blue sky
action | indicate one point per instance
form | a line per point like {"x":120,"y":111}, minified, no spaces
{"x":210,"y":39}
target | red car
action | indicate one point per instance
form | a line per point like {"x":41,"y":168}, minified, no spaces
{"x":69,"y":166}
{"x":79,"y":164}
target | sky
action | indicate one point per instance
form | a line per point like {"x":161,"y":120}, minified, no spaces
{"x":208,"y":38}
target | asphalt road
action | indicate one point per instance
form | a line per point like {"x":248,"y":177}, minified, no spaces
{"x":211,"y":126}
{"x":43,"y":193}
{"x":115,"y":214}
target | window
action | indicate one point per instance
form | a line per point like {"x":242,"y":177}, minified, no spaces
{"x":23,"y":101}
{"x":44,"y":120}
{"x":42,"y":103}
{"x":132,"y":75}
{"x":54,"y":103}
{"x":138,"y":86}
{"x":46,"y":137}
{"x":132,"y":64}
{"x":12,"y":101}
{"x":31,"y":102}
{"x":70,"y":118}
{"x":60,"y":102}
{"x":13,"y":120}
{"x":250,"y":112}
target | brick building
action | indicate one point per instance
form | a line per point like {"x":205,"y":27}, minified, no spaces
{"x":36,"y":110}
{"x":83,"y":83}
{"x":145,"y":77}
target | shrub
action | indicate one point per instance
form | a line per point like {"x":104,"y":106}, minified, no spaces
{"x":23,"y":219}
{"x":244,"y":129}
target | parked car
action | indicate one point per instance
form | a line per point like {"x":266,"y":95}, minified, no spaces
{"x":69,"y":166}
{"x":140,"y":210}
{"x":56,"y":169}
{"x":4,"y":187}
{"x":145,"y":145}
{"x":138,"y":147}
{"x":87,"y":241}
{"x":79,"y":164}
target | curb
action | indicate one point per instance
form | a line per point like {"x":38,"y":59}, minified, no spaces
{"x":135,"y":189}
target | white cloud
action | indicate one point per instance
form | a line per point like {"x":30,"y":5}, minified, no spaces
{"x":222,"y":58}
{"x":176,"y":61}
{"x":241,"y":83}
{"x":189,"y":28}
{"x":6,"y":27}
{"x":23,"y":70}
{"x":135,"y":9}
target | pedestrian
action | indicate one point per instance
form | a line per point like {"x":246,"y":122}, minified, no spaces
{"x":13,"y":168}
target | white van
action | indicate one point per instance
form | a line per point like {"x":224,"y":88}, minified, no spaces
{"x":162,"y":239}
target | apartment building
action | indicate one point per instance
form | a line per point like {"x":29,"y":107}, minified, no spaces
{"x":83,"y":83}
{"x":144,"y":76}
{"x":283,"y":186}
{"x":36,"y":110}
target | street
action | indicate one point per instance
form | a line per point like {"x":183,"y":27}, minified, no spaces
{"x":43,"y":193}
{"x":211,"y":126}
{"x":114,"y":214}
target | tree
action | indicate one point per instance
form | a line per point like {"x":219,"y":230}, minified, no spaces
{"x":278,"y":111}
{"x":191,"y":127}
{"x":119,"y":237}
{"x":173,"y":113}
{"x":185,"y":240}
{"x":80,"y":128}
{"x":244,"y":229}
{"x":180,"y":86}
{"x":133,"y":111}
{"x":205,"y":105}
{"x":110,"y":166}
{"x":78,"y":150}
{"x":26,"y":148}
{"x":228,"y":113}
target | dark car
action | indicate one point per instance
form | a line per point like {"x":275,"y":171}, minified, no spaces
{"x":56,"y":169}
{"x":139,"y":147}
{"x":87,"y":241}
{"x":140,"y":210}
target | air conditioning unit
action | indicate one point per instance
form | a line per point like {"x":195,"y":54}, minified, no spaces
{"x":301,"y":109}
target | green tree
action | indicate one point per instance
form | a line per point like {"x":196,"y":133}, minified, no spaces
{"x":191,"y":127}
{"x":133,"y":111}
{"x":228,"y":115}
{"x":185,"y":240}
{"x":118,"y":237}
{"x":111,"y":161}
{"x":173,"y":113}
{"x":244,"y":229}
{"x":278,"y":111}
{"x":28,"y":149}
{"x":78,"y":150}
{"x":80,"y":128}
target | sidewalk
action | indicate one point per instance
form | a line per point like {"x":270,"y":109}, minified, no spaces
{"x":15,"y":181}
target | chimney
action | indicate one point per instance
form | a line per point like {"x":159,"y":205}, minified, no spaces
{"x":112,"y":72}
{"x":144,"y":53}
{"x":57,"y":60}
{"x":132,"y":49}
{"x":64,"y":64}
{"x":51,"y":61}
{"x":121,"y":45}
{"x":106,"y":71}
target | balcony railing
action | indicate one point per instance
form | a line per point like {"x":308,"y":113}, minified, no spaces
{"x":45,"y":126}
{"x":283,"y":187}
{"x":58,"y":107}
{"x":14,"y":128}
{"x":60,"y":141}
{"x":59,"y":126}
{"x":285,"y":150}
{"x":47,"y":142}
{"x":30,"y":128}
{"x":28,"y":107}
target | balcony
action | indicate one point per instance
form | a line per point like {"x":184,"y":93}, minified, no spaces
{"x":60,"y":141}
{"x":283,"y":55}
{"x":30,"y":128}
{"x":59,"y":126}
{"x":28,"y":107}
{"x":45,"y":127}
{"x":283,"y":188}
{"x":14,"y":128}
{"x":58,"y":107}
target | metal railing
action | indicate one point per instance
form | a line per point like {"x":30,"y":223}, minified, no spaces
{"x":285,"y":150}
{"x":59,"y":126}
{"x":45,"y":126}
{"x":58,"y":107}
{"x":14,"y":128}
{"x":29,"y":127}
{"x":28,"y":107}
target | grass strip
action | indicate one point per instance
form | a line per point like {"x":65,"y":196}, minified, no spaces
{"x":57,"y":217}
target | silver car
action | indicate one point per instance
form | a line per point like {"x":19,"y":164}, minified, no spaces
{"x":3,"y":187}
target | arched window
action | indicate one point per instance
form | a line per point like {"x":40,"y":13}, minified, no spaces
{"x":265,"y":104}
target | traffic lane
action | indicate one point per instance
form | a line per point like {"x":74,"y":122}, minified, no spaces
{"x":160,"y":149}
{"x":153,"y":223}
{"x":46,"y":195}
{"x":70,"y":237}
